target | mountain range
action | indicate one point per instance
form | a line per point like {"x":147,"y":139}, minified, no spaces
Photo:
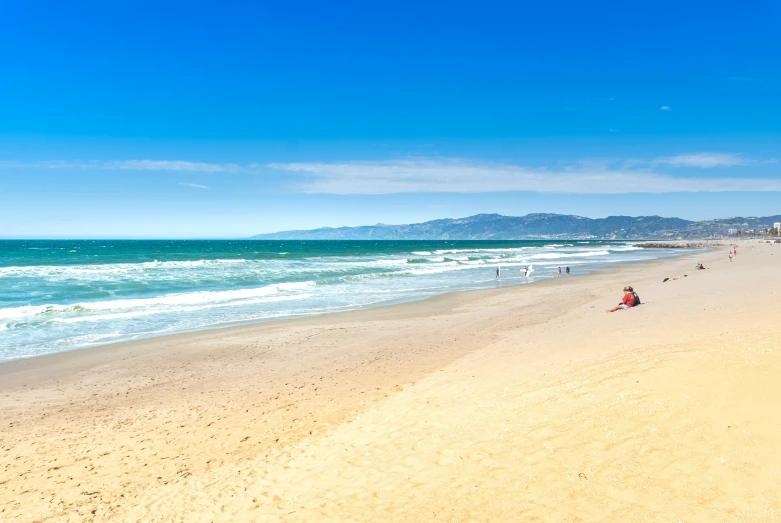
{"x":536,"y":226}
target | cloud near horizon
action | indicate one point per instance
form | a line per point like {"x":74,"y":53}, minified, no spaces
{"x":173,"y":165}
{"x":193,"y":185}
{"x":133,"y":165}
{"x":703,"y":160}
{"x":464,"y":176}
{"x":456,"y":175}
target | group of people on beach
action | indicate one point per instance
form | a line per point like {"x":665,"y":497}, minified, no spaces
{"x":526,"y":271}
{"x":630,"y":299}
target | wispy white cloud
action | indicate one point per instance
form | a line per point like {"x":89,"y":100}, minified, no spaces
{"x":427,"y":174}
{"x":172,"y":165}
{"x":703,"y":160}
{"x":48,"y":164}
{"x":464,"y":176}
{"x":666,"y":108}
{"x":134,"y":165}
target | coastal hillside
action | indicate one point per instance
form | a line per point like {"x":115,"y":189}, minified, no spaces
{"x":534,"y":226}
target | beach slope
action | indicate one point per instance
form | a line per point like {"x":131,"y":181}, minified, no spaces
{"x":522,"y":403}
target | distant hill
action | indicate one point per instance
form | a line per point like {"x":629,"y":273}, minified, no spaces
{"x":533,"y":226}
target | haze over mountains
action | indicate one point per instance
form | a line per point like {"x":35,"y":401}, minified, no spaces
{"x":534,"y":226}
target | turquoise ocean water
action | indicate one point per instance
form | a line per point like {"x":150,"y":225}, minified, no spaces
{"x":63,"y":295}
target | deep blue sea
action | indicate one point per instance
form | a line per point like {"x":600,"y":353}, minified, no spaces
{"x":63,"y":295}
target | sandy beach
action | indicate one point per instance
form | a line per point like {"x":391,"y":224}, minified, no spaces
{"x":522,"y":403}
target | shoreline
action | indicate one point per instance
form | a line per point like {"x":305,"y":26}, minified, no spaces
{"x":303,"y":317}
{"x":490,"y":404}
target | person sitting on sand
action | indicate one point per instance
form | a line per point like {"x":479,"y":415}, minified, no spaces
{"x":627,"y":301}
{"x":634,"y":295}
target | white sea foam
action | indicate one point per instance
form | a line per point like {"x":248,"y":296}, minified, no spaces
{"x":625,"y":248}
{"x":437,"y":269}
{"x":138,"y":314}
{"x":483,"y":251}
{"x":565,"y":255}
{"x":114,"y":268}
{"x":188,"y":298}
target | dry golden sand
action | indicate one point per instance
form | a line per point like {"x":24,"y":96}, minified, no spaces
{"x":520,"y":404}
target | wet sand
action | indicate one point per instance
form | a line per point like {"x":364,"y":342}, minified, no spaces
{"x":522,"y":403}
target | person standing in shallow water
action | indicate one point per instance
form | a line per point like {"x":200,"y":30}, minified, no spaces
{"x":497,"y":271}
{"x":567,"y":271}
{"x":559,"y":271}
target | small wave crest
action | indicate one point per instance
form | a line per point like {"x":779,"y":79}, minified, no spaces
{"x":116,"y":268}
{"x":146,"y":312}
{"x":178,"y":299}
{"x":439,"y":260}
{"x":552,"y":256}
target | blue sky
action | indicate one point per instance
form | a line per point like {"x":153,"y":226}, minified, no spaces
{"x":207,"y":119}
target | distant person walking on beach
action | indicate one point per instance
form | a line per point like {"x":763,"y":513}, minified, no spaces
{"x":525,"y":271}
{"x":497,"y":271}
{"x":627,"y":302}
{"x":730,"y":256}
{"x":567,"y":271}
{"x":559,"y":271}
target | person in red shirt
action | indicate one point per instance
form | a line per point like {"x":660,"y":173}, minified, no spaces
{"x":627,"y":301}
